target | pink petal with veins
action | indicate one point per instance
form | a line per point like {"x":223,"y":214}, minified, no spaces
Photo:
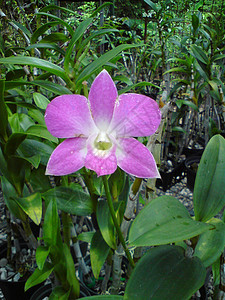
{"x":68,"y":157}
{"x":135,"y":115}
{"x":68,"y":116}
{"x":135,"y":159}
{"x":102,"y":97}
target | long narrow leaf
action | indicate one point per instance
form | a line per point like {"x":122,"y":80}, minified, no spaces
{"x":54,"y":7}
{"x":50,"y":86}
{"x":92,"y":36}
{"x":23,"y":28}
{"x":100,"y":8}
{"x":35,"y":62}
{"x":76,"y":36}
{"x":3,"y":111}
{"x":42,"y":29}
{"x":139,"y":84}
{"x":68,"y":27}
{"x":101,"y":61}
{"x":46,"y":46}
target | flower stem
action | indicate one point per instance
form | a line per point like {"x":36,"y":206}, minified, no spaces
{"x":115,"y":221}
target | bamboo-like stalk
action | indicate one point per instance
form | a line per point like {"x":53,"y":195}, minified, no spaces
{"x":154,"y":146}
{"x":167,"y":135}
{"x":119,"y":253}
{"x":115,"y":221}
{"x":207,"y":114}
{"x":76,"y":247}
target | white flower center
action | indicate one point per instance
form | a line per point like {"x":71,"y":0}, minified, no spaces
{"x":102,"y":142}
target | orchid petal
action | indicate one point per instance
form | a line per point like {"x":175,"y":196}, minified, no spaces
{"x":102,"y":97}
{"x":68,"y":157}
{"x":103,"y":162}
{"x":68,"y":116}
{"x":135,"y":115}
{"x":135,"y":159}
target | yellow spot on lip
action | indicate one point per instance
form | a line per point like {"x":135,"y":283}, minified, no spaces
{"x":102,"y":142}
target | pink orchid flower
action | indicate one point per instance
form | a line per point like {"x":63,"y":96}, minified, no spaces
{"x":99,"y":131}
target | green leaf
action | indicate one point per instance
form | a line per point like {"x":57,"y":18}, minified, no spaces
{"x":165,"y":273}
{"x":23,"y":28}
{"x":41,"y":30}
{"x":218,"y":57}
{"x":13,"y":143}
{"x":55,"y":37}
{"x":209,"y":190}
{"x":199,"y":54}
{"x":75,"y":37}
{"x":117,"y":182}
{"x":70,"y":200}
{"x":104,"y":297}
{"x":178,"y":129}
{"x":50,"y":86}
{"x":195,"y":22}
{"x":100,"y":8}
{"x":32,"y":206}
{"x":152,"y":5}
{"x":9,"y":193}
{"x":39,"y":181}
{"x":20,"y":122}
{"x":124,"y":79}
{"x":178,"y":69}
{"x":53,"y":87}
{"x":102,"y":60}
{"x":105,"y":223}
{"x":133,"y":86}
{"x":32,"y":149}
{"x":16,"y":169}
{"x":205,"y":248}
{"x":15,"y":74}
{"x":65,"y":24}
{"x":55,"y":7}
{"x":47,"y":46}
{"x":86,"y":236}
{"x":93,"y":35}
{"x":51,"y":224}
{"x":33,"y":160}
{"x":180,"y":102}
{"x":59,"y":293}
{"x":35,"y":62}
{"x":4,"y":168}
{"x":3,"y":111}
{"x":39,"y":276}
{"x":40,"y":100}
{"x":216,"y":272}
{"x":41,"y":131}
{"x":98,"y":253}
{"x":164,"y":220}
{"x":70,"y":273}
{"x":42,"y":253}
{"x":37,"y":116}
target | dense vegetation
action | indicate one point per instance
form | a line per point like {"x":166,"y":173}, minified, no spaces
{"x":171,"y":51}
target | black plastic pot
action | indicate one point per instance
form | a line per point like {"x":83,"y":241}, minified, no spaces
{"x":192,"y":152}
{"x":172,"y":177}
{"x":14,"y":290}
{"x":191,"y":164}
{"x":46,"y":290}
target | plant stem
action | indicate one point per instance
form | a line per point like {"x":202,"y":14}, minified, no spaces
{"x":115,"y":221}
